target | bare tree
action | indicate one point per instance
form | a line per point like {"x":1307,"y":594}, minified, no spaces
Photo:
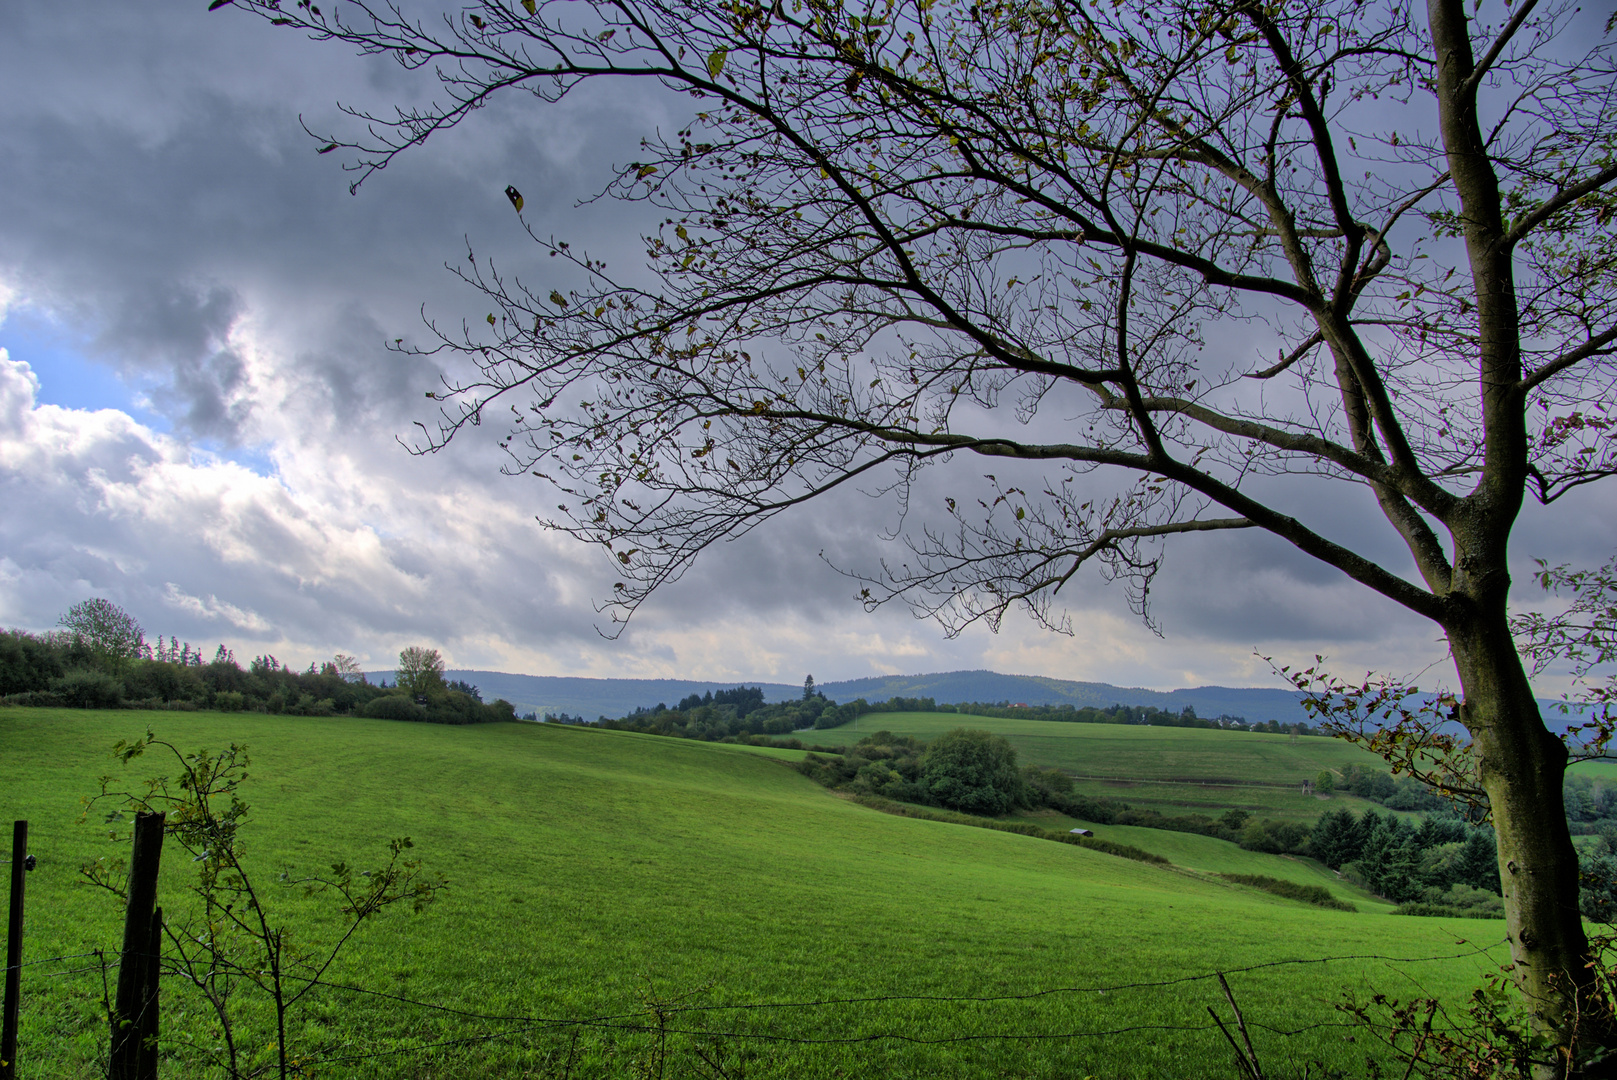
{"x":1143,"y":258}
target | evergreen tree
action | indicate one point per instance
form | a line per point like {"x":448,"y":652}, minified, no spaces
{"x":1335,"y":839}
{"x":1478,"y":865}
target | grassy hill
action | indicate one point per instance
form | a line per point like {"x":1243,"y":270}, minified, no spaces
{"x":594,"y":871}
{"x":1174,"y":770}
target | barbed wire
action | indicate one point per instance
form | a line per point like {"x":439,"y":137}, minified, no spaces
{"x":1474,"y":950}
{"x":635,"y":1022}
{"x":613,"y":1021}
{"x":53,"y":959}
{"x":800,"y":1040}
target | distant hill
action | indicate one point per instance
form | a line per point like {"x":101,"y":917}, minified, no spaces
{"x":591,"y":698}
{"x":1256,"y":704}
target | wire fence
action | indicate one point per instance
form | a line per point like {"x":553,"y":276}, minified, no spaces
{"x":665,"y":1014}
{"x":719,"y":1021}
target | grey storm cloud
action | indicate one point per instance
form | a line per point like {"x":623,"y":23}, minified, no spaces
{"x":167,"y":208}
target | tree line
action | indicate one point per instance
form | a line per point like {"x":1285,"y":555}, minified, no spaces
{"x":817,"y":711}
{"x":727,"y":715}
{"x":1147,"y":715}
{"x":102,"y":659}
{"x":741,"y":713}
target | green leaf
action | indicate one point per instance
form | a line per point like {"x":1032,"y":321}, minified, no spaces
{"x":715,"y":62}
{"x":528,"y":6}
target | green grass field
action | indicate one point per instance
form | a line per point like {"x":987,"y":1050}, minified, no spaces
{"x":1172,"y":770}
{"x":595,"y":871}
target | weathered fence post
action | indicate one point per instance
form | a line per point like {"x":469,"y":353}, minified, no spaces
{"x":148,"y":999}
{"x":13,"y":998}
{"x":134,"y":979}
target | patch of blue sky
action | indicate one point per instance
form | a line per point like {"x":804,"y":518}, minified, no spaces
{"x":66,"y":376}
{"x":256,"y":458}
{"x":69,"y":379}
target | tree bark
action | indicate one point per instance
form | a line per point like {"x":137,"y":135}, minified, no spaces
{"x":1521,"y":766}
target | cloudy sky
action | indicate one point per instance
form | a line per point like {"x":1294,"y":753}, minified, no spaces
{"x":198,"y":419}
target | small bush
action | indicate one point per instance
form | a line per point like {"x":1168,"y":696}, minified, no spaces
{"x":1457,"y":902}
{"x":229,"y":701}
{"x":1317,"y":895}
{"x":1442,"y":911}
{"x":394,"y":707}
{"x":1110,"y":847}
{"x":82,"y":689}
{"x":34,"y":699}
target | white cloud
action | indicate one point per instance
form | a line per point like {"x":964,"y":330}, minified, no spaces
{"x":213,"y":609}
{"x":169,"y":212}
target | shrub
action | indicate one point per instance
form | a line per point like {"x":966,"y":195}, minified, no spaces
{"x":27,"y":663}
{"x":84,"y":689}
{"x":973,"y":771}
{"x":1443,"y":911}
{"x":1317,"y":895}
{"x":36,"y":699}
{"x":394,"y":707}
{"x":229,"y":701}
{"x":1275,"y":837}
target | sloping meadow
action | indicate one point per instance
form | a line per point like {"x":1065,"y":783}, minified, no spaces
{"x":621,"y":902}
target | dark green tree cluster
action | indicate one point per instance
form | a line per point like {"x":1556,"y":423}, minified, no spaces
{"x":741,"y":713}
{"x":1597,"y":897}
{"x":1439,"y":862}
{"x":1591,"y":805}
{"x":969,"y":771}
{"x":879,"y":764}
{"x":727,"y":715}
{"x":1395,"y":793}
{"x":973,"y":771}
{"x":1147,"y":715}
{"x":745,"y":699}
{"x":842,"y":714}
{"x":1237,"y":826}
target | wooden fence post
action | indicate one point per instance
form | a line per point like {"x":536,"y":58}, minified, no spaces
{"x":13,"y":995}
{"x":148,"y":999}
{"x":128,"y":1013}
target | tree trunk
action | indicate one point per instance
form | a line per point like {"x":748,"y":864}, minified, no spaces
{"x":1522,"y":766}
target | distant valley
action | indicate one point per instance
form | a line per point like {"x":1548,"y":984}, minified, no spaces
{"x":591,"y":698}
